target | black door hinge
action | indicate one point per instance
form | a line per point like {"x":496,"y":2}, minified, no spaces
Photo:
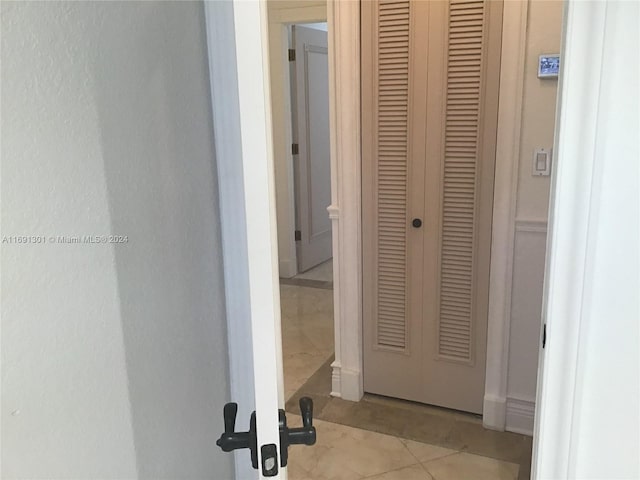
{"x":295,"y":149}
{"x":292,"y":55}
{"x":544,"y":335}
{"x":297,"y":235}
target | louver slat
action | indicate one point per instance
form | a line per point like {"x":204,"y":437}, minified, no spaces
{"x":391,"y":172}
{"x":464,"y":65}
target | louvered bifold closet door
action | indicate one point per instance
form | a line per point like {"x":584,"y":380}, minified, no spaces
{"x":429,"y":107}
{"x":462,"y":130}
{"x":390,"y":107}
{"x":460,"y":179}
{"x":392,"y":169}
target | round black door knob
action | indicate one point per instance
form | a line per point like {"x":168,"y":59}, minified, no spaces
{"x":417,"y":223}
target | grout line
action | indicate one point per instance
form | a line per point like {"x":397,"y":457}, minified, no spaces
{"x":407,"y":449}
{"x":457,"y":452}
{"x":427,"y":471}
{"x":389,"y":471}
{"x":422,"y":464}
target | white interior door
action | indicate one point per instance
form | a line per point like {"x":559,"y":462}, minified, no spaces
{"x":251,"y":50}
{"x":240,"y":98}
{"x":310,"y":85}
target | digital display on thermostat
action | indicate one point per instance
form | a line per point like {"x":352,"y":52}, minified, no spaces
{"x":548,"y":66}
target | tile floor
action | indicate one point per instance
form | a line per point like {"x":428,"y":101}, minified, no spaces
{"x":307,"y":333}
{"x":345,"y":452}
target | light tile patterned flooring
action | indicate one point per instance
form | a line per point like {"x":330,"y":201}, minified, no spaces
{"x":307,"y":333}
{"x":347,"y":453}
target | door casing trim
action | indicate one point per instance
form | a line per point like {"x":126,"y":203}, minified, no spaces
{"x":345,"y":210}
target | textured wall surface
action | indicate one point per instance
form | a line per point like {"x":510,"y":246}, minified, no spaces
{"x":114,"y":358}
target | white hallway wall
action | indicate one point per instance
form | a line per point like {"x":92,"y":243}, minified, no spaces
{"x":114,"y":360}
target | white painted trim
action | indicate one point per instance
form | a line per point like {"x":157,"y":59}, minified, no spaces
{"x":514,"y":28}
{"x":345,"y":211}
{"x":520,"y":413}
{"x":287,"y":267}
{"x":282,"y":140}
{"x":530,"y":225}
{"x":495,"y":409}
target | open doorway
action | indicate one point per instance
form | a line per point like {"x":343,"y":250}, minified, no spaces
{"x":309,"y":93}
{"x":303,"y":184}
{"x":306,"y":298}
{"x":440,"y":432}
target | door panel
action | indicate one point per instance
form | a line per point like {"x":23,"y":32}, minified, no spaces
{"x":311,"y":133}
{"x":393,"y":126}
{"x":429,"y":92}
{"x":391,"y":180}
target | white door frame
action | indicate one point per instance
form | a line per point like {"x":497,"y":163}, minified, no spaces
{"x":587,"y":380}
{"x":344,"y":68}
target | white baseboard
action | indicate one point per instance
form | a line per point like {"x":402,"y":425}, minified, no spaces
{"x":346,"y":383}
{"x":336,"y":385}
{"x":494,"y":412}
{"x":287,"y":268}
{"x":520,"y":416}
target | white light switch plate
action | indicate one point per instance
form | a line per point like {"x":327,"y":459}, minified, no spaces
{"x":541,"y":162}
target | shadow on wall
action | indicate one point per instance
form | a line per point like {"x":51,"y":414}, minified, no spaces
{"x":153,"y":102}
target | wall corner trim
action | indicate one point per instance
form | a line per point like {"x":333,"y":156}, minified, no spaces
{"x":531,"y":225}
{"x":336,"y":387}
{"x":514,"y":30}
{"x":494,"y":413}
{"x":334,"y":212}
{"x":287,"y":267}
{"x":345,"y":210}
{"x":520,"y":415}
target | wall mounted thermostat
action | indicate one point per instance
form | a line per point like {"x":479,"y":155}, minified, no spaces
{"x":541,"y":162}
{"x":548,"y":66}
